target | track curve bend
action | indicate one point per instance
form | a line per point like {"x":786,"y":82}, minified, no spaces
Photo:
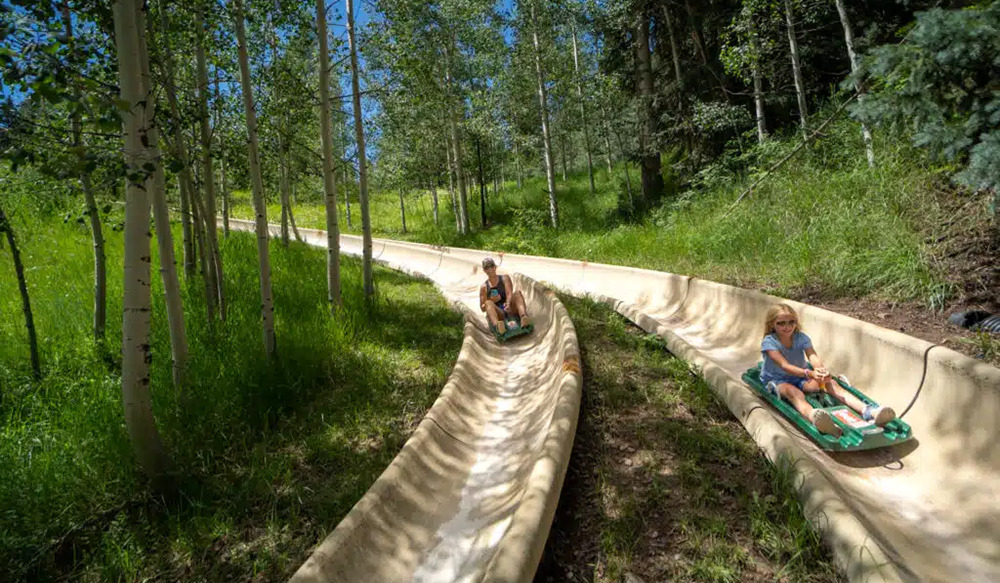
{"x":925,"y":510}
{"x":471,"y":495}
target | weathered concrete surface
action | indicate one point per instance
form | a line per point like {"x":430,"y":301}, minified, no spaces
{"x":926,"y":510}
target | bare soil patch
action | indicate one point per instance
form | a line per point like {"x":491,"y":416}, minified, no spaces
{"x":664,"y":484}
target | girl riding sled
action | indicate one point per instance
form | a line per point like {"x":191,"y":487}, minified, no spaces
{"x":787,"y":353}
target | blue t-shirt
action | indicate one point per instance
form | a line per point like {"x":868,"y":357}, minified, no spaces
{"x":796,"y":356}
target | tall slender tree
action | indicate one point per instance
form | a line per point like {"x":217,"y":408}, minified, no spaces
{"x":845,"y":22}
{"x":257,"y":184}
{"x":652,"y":179}
{"x":359,"y":135}
{"x":100,"y":265}
{"x":165,"y":248}
{"x":584,"y":120}
{"x":793,"y":50}
{"x":329,"y":168}
{"x":22,"y":285}
{"x":141,"y":154}
{"x":543,"y":105}
{"x":214,"y":265}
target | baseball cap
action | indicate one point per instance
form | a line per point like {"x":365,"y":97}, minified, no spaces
{"x":488,"y":262}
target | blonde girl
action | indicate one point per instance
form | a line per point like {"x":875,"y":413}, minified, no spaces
{"x":787,"y":353}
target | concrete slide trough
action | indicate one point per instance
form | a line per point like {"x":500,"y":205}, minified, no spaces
{"x":926,"y":510}
{"x":471,"y":495}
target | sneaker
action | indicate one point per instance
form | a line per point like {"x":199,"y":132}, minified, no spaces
{"x":525,"y":321}
{"x":879,"y":415}
{"x":825,"y":423}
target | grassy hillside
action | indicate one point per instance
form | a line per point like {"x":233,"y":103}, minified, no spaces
{"x":824,"y":221}
{"x":268,"y":457}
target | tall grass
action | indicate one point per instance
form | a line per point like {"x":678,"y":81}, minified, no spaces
{"x":824,"y":222}
{"x":268,"y":456}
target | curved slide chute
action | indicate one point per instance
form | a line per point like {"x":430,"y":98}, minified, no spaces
{"x":925,"y":510}
{"x":471,"y":495}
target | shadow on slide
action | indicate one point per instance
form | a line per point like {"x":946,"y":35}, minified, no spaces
{"x":923,"y":510}
{"x":471,"y":495}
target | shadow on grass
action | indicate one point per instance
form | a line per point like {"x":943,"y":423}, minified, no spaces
{"x":663,"y":482}
{"x":268,"y":456}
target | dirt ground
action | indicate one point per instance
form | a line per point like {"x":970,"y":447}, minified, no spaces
{"x":647,"y":498}
{"x":664,"y":484}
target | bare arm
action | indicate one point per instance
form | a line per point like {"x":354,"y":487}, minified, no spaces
{"x":814,"y":358}
{"x":482,"y":297}
{"x":817,"y":362}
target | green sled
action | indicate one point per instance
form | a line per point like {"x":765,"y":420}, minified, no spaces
{"x":858,"y":434}
{"x":514,"y":329}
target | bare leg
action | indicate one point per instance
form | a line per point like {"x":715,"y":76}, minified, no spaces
{"x":820,"y":418}
{"x":493,"y":315}
{"x":843,"y":395}
{"x":517,"y":301}
{"x":797,"y":398}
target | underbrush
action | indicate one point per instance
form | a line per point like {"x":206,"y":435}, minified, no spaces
{"x":268,"y":456}
{"x":822,"y":223}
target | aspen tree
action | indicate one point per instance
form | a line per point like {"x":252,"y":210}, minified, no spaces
{"x":100,"y":264}
{"x":359,"y":133}
{"x":140,"y":155}
{"x":222,"y":156}
{"x":550,"y":174}
{"x":165,"y":243}
{"x":793,"y":47}
{"x":329,"y":178}
{"x":22,"y":285}
{"x":845,"y":22}
{"x":456,"y":142}
{"x":583,"y":111}
{"x":652,"y":179}
{"x":214,"y":265}
{"x":257,"y":184}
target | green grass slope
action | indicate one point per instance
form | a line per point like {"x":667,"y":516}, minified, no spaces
{"x":269,"y":456}
{"x":824,"y":221}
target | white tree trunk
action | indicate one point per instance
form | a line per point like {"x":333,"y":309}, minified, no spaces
{"x":257,"y":184}
{"x":283,"y":190}
{"x":845,"y":21}
{"x":758,"y":93}
{"x":517,"y":164}
{"x":186,"y":186}
{"x":451,"y":188}
{"x":139,"y":153}
{"x":347,"y":197}
{"x":183,"y":185}
{"x":800,"y":87}
{"x":674,"y":52}
{"x":165,"y":246}
{"x":562,"y":150}
{"x":758,"y":99}
{"x":359,"y":136}
{"x":583,"y":112}
{"x":402,"y":210}
{"x":434,"y":199}
{"x":222,"y":156}
{"x":329,"y":169}
{"x":543,"y":103}
{"x":456,"y":142}
{"x":100,"y":266}
{"x":207,"y":173}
